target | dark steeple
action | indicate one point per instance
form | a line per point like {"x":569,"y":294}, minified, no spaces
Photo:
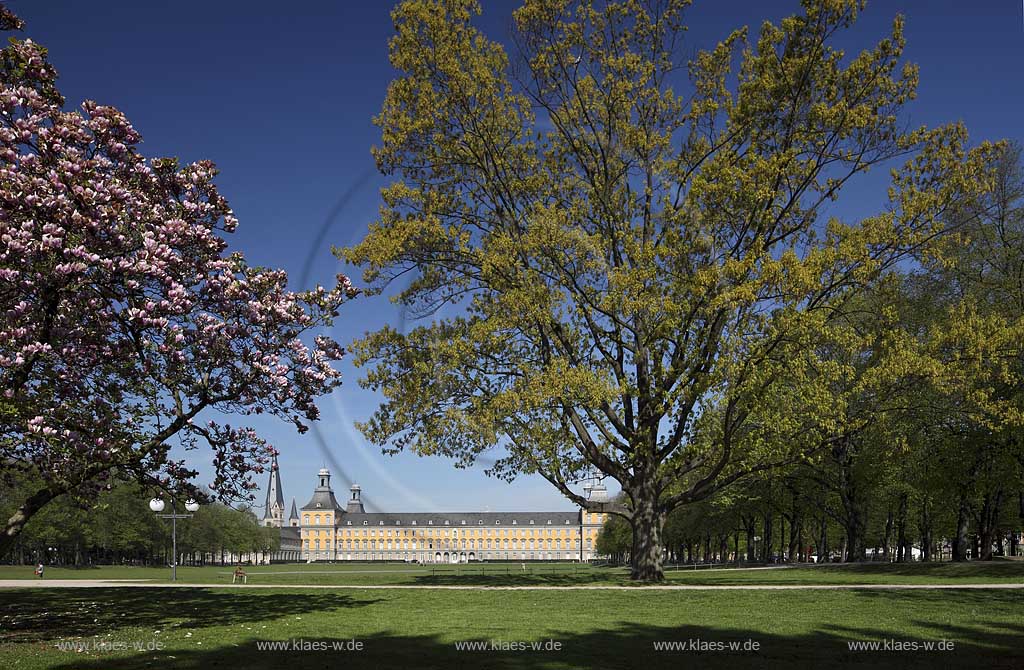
{"x":274,"y":507}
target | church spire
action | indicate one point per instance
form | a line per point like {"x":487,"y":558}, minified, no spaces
{"x":274,"y":507}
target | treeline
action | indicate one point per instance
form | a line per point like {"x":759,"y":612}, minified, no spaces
{"x":815,"y":514}
{"x":117,"y":527}
{"x":916,"y":395}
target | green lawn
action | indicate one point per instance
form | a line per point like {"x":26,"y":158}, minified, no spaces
{"x":210,"y":627}
{"x":995,"y":572}
{"x":497,"y":574}
{"x":351,"y":573}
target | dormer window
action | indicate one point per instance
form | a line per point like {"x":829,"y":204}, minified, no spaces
{"x":514,"y":522}
{"x":366,"y":523}
{"x":463,"y":522}
{"x":430,"y":522}
{"x":446,"y":522}
{"x":414,"y":522}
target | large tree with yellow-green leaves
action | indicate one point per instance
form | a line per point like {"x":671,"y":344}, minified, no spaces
{"x":634,"y":248}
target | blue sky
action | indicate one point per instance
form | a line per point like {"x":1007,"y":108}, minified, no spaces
{"x":280,"y":96}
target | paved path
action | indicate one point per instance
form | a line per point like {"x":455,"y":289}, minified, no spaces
{"x":127,"y":583}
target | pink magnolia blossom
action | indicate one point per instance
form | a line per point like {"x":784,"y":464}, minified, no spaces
{"x":123,"y":315}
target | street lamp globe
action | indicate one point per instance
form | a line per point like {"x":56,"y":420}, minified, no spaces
{"x":156,"y":504}
{"x":191,"y":505}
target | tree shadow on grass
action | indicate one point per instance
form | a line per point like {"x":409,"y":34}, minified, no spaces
{"x":34,"y":615}
{"x":985,"y":633}
{"x":624,"y":646}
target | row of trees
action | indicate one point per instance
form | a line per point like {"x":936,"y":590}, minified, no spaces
{"x":118,"y":528}
{"x":792,"y":518}
{"x":930,"y":463}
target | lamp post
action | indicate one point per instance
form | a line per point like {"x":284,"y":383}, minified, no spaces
{"x":157,"y":505}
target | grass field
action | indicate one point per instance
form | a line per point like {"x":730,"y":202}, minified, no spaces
{"x":192,"y":628}
{"x":502,"y":574}
{"x":210,"y":627}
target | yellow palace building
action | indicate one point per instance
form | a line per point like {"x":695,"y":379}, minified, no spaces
{"x":330,"y":532}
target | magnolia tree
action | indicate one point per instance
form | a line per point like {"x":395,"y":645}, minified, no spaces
{"x":122,"y":316}
{"x":637,"y":249}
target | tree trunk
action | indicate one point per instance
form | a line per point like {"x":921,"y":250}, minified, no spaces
{"x":855,"y":531}
{"x":853,"y":506}
{"x":793,"y":550}
{"x":782,"y":538}
{"x":902,"y":543}
{"x":16,"y":522}
{"x":985,"y":530}
{"x":960,"y":538}
{"x":887,"y":538}
{"x":647,"y":523}
{"x":1020,"y":515}
{"x":987,"y":522}
{"x":823,"y":540}
{"x":924,"y":527}
{"x":801,"y":543}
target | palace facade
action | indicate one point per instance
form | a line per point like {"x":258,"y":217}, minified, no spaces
{"x":331,"y":532}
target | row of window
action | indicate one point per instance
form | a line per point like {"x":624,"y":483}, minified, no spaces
{"x":318,"y":520}
{"x":470,"y":544}
{"x":565,"y":532}
{"x":444,"y":557}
